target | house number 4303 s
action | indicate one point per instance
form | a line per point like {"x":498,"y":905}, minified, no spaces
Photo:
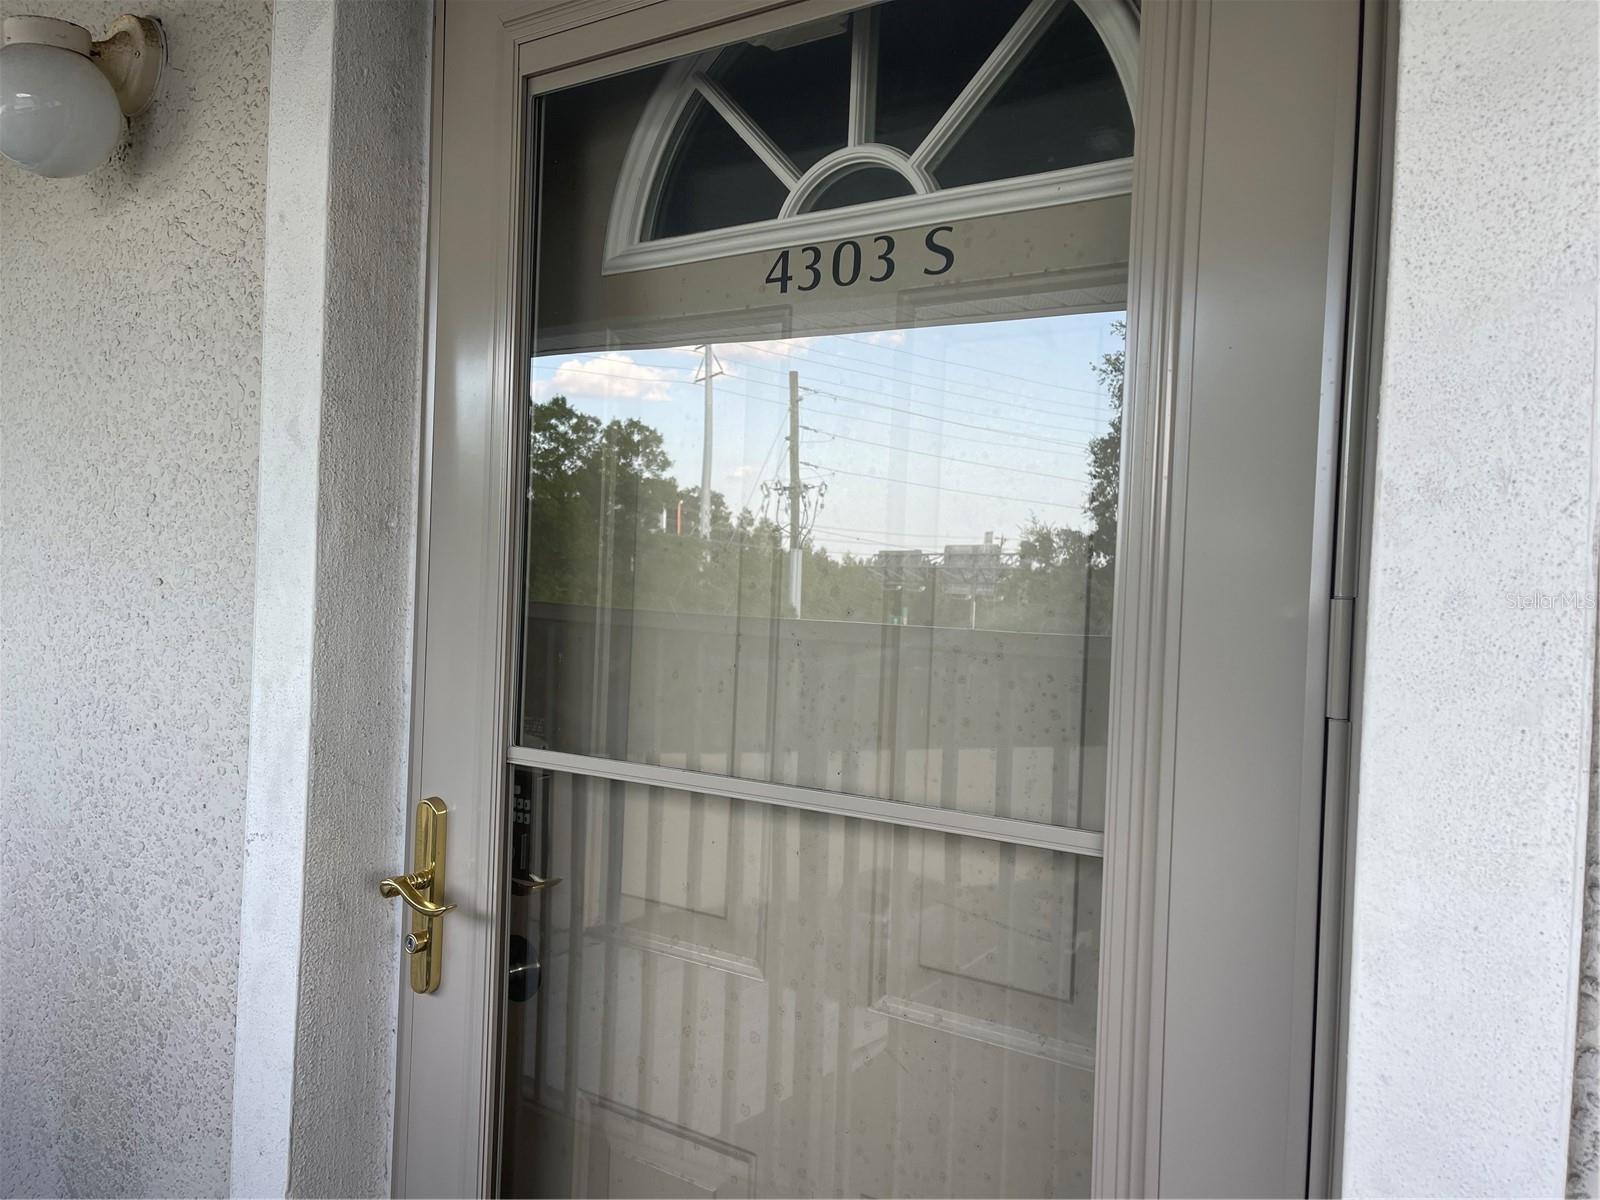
{"x":852,"y":263}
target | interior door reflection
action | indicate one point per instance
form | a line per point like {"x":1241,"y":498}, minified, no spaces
{"x":736,"y":999}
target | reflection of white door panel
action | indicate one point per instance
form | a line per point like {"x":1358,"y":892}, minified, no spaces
{"x":690,"y":879}
{"x":657,"y":834}
{"x":981,"y":941}
{"x":625,"y":1154}
{"x":674,"y":1037}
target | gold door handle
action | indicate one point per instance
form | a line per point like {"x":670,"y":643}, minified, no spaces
{"x":423,"y":892}
{"x":414,"y":889}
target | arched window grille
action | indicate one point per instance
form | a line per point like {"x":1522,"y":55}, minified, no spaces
{"x":905,"y":112}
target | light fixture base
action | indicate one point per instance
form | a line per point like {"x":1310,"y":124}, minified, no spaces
{"x":131,"y":56}
{"x":45,"y":31}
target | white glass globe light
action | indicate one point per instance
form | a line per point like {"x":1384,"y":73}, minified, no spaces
{"x":59,"y":114}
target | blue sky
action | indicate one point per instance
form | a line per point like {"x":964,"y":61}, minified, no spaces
{"x":923,"y":437}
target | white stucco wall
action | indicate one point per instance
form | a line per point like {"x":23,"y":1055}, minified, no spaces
{"x":179,"y":616}
{"x":336,"y":537}
{"x":301,"y":91}
{"x":129,"y":385}
{"x":1476,"y":716}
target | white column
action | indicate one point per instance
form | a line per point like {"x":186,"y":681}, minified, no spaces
{"x":335,"y":586}
{"x":1476,"y":715}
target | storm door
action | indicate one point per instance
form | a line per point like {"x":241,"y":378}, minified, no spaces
{"x":802,"y":598}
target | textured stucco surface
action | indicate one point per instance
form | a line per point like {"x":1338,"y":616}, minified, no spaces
{"x":366,"y":541}
{"x":1476,"y":711}
{"x":130,"y":339}
{"x":341,"y":417}
{"x":286,"y":553}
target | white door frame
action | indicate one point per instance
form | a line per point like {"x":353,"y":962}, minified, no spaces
{"x":1158,"y":1088}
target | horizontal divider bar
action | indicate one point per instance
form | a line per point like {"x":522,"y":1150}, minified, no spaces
{"x":788,"y":795}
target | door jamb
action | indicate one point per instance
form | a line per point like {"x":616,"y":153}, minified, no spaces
{"x":1137,"y":849}
{"x":1369,"y":269}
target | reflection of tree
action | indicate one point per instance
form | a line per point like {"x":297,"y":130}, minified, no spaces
{"x":584,"y":477}
{"x":603,"y":529}
{"x":1105,"y":456}
{"x":603,"y":524}
{"x":1064,"y":570}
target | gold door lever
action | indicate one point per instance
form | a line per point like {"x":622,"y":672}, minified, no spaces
{"x":414,"y":889}
{"x":423,"y":892}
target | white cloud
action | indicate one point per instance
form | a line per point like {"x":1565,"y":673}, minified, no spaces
{"x":772,"y":348}
{"x":742,"y":471}
{"x":609,"y":376}
{"x":759,"y":358}
{"x":884,"y":337}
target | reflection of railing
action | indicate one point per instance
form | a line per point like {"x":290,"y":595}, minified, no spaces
{"x":957,"y":571}
{"x":981,"y":720}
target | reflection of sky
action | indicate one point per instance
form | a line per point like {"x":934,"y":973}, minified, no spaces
{"x":922,"y":437}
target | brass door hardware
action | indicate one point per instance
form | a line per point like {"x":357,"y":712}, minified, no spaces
{"x":423,"y":892}
{"x":414,"y":889}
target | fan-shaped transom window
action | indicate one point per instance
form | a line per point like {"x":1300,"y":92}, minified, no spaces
{"x":911,"y":109}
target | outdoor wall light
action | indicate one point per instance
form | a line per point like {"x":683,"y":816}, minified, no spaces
{"x":64,"y":97}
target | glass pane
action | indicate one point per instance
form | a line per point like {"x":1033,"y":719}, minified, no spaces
{"x":948,"y":545}
{"x":840,"y":514}
{"x":723,"y":998}
{"x":862,"y":187}
{"x":715,"y":180}
{"x":1062,"y":107}
{"x":764,"y":77}
{"x":923,"y":64}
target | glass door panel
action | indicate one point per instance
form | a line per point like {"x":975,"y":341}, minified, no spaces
{"x":736,"y":999}
{"x":928,"y":622}
{"x":822,"y":462}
